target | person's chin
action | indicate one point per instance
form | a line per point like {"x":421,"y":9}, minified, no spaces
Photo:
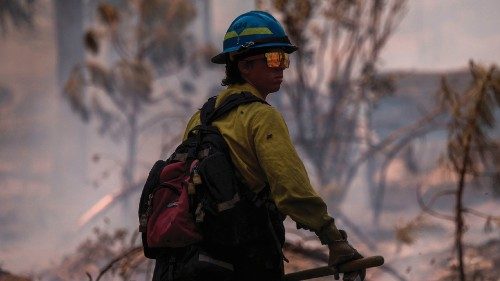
{"x":277,"y":86}
{"x":274,"y":90}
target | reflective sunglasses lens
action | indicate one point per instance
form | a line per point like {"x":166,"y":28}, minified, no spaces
{"x":277,"y":59}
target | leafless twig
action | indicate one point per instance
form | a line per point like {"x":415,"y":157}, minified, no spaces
{"x":126,"y":254}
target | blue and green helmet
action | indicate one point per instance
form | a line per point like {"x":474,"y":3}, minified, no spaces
{"x":253,"y":30}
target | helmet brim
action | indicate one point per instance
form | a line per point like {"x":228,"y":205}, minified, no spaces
{"x":220,"y":58}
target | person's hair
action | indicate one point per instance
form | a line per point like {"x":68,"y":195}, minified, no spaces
{"x":233,"y":74}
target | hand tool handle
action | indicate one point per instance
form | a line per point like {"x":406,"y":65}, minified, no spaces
{"x":354,"y":265}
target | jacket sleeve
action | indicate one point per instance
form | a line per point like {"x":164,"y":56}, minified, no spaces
{"x":285,"y":172}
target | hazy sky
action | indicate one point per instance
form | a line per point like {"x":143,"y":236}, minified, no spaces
{"x":444,"y":34}
{"x":434,"y":35}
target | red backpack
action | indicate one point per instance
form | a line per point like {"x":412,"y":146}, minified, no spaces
{"x":170,"y":223}
{"x":191,"y":196}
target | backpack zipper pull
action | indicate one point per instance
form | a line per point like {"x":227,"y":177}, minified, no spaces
{"x":196,"y":177}
{"x":191,"y":188}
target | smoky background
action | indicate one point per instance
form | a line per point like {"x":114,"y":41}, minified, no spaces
{"x":70,"y":162}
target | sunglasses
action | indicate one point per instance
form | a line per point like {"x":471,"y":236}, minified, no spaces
{"x":274,"y":59}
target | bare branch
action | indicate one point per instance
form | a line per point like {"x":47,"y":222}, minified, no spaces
{"x":125,"y":255}
{"x":412,"y":129}
{"x":481,"y":214}
{"x":428,"y":208}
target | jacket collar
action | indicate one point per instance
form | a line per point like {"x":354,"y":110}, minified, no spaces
{"x":236,"y":89}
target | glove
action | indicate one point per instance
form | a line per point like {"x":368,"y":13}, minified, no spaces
{"x":340,"y":250}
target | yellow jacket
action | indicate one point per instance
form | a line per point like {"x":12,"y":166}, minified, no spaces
{"x":262,"y":151}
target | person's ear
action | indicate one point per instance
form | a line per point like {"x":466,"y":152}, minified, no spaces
{"x":244,"y":67}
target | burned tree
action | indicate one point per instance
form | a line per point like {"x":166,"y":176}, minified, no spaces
{"x":335,"y":81}
{"x":472,"y":114}
{"x":127,"y":49}
{"x":471,"y":155}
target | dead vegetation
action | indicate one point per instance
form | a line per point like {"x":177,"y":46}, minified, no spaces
{"x":7,"y":276}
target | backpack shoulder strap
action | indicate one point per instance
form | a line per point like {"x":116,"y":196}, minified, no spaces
{"x":209,"y":113}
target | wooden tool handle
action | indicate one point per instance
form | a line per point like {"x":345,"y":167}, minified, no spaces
{"x":354,"y":265}
{"x":363,"y":263}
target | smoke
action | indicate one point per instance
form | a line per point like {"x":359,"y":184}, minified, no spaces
{"x":49,"y":181}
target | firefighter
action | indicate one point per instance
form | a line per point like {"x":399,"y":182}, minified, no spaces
{"x":255,"y":54}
